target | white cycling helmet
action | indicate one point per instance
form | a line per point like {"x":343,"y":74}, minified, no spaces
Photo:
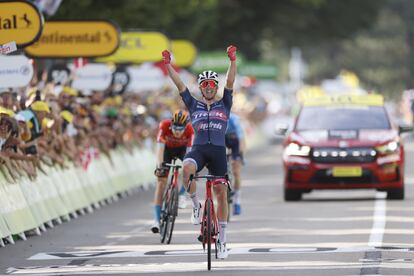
{"x":208,"y":75}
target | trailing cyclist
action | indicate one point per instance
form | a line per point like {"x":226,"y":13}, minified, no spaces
{"x":174,"y":139}
{"x":209,"y":118}
{"x":235,"y":141}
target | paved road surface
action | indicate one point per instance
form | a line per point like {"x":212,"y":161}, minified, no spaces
{"x":328,"y":233}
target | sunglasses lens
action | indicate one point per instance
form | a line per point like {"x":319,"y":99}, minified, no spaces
{"x":210,"y":83}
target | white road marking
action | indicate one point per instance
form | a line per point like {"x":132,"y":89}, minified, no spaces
{"x":129,"y":234}
{"x":380,"y":217}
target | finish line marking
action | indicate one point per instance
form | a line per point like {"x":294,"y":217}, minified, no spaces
{"x":197,"y":252}
{"x":116,"y":269}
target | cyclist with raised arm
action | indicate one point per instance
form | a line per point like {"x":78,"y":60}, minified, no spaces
{"x":209,"y":118}
{"x":174,"y":139}
{"x":235,"y":142}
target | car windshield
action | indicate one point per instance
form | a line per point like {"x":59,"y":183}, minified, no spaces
{"x":344,"y":117}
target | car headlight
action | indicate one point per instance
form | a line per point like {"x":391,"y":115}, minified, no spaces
{"x":391,"y":147}
{"x":294,"y":149}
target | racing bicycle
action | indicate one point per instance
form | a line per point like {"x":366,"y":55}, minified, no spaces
{"x":209,"y":222}
{"x":169,"y":207}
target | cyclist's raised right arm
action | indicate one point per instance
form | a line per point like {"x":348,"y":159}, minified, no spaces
{"x":166,"y":57}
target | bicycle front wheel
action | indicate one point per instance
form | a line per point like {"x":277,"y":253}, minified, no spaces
{"x":208,"y":238}
{"x":163,"y":221}
{"x":172,"y":214}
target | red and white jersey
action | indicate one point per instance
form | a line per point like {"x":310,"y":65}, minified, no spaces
{"x":166,"y":136}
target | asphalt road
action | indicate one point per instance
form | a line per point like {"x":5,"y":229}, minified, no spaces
{"x":327,"y":233}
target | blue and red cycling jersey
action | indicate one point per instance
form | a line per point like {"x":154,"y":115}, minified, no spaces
{"x":209,"y":125}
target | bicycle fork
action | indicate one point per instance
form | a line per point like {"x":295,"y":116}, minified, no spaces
{"x":213,"y":219}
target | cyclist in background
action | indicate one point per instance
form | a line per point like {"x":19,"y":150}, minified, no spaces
{"x":209,"y":118}
{"x":174,"y":139}
{"x":235,"y":142}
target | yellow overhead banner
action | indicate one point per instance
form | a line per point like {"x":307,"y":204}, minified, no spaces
{"x":184,"y":52}
{"x":20,"y":22}
{"x":69,"y":39}
{"x":139,"y":47}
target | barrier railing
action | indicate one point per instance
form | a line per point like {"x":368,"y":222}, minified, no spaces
{"x":61,"y":193}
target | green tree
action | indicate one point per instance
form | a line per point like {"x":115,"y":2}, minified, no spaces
{"x":380,"y":55}
{"x":405,"y":9}
{"x":213,"y":24}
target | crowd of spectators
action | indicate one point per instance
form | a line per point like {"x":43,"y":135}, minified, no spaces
{"x":58,"y":125}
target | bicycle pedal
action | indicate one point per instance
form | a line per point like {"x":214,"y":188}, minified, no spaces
{"x":200,"y":238}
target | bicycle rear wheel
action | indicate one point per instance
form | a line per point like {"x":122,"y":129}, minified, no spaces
{"x":208,"y":238}
{"x":172,"y":214}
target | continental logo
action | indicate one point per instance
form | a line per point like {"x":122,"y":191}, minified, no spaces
{"x":57,"y":38}
{"x":68,"y":39}
{"x":15,"y":22}
{"x":20,"y":21}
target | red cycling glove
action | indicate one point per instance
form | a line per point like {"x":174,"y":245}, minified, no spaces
{"x":166,"y":57}
{"x":231,"y":52}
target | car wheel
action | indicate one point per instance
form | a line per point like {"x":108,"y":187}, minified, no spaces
{"x":395,"y":193}
{"x":292,"y":195}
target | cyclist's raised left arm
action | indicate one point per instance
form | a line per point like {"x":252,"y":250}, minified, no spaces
{"x":232,"y":70}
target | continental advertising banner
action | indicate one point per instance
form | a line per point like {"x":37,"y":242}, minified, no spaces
{"x":20,"y":22}
{"x":70,"y":39}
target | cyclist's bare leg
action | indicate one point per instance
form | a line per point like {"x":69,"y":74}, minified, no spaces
{"x":159,"y":190}
{"x":189,"y":168}
{"x":222,"y":208}
{"x":236,"y":167}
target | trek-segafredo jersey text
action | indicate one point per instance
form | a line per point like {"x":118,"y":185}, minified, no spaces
{"x":209,"y":125}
